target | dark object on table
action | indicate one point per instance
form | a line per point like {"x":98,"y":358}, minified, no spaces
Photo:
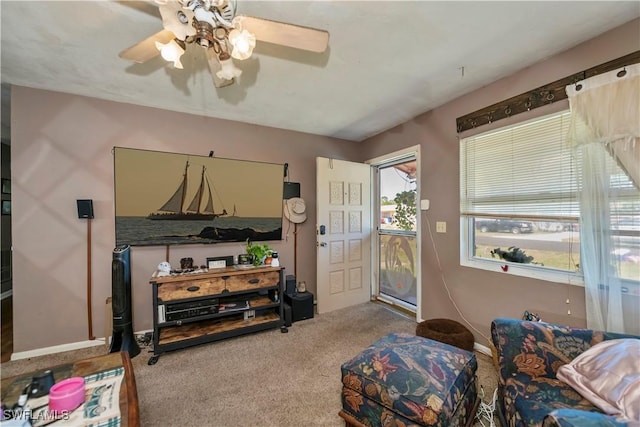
{"x":447,"y":331}
{"x":186,"y":263}
{"x":41,"y":384}
{"x":245,"y":259}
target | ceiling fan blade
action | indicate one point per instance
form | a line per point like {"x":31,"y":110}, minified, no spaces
{"x":146,"y":49}
{"x":281,"y":33}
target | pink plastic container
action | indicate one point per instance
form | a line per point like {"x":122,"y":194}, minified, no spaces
{"x":66,"y":395}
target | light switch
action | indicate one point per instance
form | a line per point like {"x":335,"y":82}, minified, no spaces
{"x":424,"y":204}
{"x":441,"y":227}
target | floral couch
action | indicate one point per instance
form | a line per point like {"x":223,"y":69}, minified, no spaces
{"x":528,"y":357}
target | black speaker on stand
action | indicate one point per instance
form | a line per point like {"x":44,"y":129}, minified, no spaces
{"x":123,"y":338}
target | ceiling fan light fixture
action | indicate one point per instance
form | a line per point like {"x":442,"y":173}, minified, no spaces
{"x":214,"y":25}
{"x":177,"y":19}
{"x":228,"y":70}
{"x":171,"y":52}
{"x":242,"y":43}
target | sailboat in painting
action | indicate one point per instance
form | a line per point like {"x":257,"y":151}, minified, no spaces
{"x":197,"y":210}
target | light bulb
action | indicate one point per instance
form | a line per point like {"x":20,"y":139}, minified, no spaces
{"x":228,"y":70}
{"x":171,"y":52}
{"x":242,"y":43}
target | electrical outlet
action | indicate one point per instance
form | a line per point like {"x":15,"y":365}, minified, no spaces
{"x":441,"y":227}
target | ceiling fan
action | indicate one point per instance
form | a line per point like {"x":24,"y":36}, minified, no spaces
{"x":214,"y":25}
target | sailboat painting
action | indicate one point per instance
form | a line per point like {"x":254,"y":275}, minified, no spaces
{"x":174,"y":209}
{"x":172,"y":199}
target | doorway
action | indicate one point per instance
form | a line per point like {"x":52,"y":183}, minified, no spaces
{"x":344,"y":230}
{"x":397,"y":247}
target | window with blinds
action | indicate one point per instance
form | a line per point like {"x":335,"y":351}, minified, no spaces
{"x":521,"y":171}
{"x":519,"y":204}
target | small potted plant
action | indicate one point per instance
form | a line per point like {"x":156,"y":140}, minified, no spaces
{"x":260,"y":252}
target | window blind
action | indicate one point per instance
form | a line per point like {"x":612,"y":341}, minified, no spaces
{"x":525,"y":170}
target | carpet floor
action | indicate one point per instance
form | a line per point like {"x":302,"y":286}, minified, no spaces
{"x":262,"y":379}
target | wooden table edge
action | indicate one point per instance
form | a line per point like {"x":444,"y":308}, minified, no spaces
{"x":133,"y":410}
{"x":79,"y":368}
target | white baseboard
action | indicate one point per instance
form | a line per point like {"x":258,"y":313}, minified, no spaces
{"x":64,"y":347}
{"x":482,"y":349}
{"x":56,"y":349}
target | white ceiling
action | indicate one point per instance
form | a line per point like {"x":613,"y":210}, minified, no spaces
{"x":387,"y":62}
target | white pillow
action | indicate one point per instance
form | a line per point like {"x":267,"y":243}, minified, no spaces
{"x":608,"y":375}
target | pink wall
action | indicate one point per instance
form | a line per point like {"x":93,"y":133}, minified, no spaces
{"x":483,"y":295}
{"x":61,"y":151}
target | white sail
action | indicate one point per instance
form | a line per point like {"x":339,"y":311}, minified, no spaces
{"x":209,"y":207}
{"x":195,"y":203}
{"x":174,"y":204}
{"x":194,"y":206}
{"x":173,"y":208}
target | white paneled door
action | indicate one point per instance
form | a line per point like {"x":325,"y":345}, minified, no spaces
{"x":343,"y":233}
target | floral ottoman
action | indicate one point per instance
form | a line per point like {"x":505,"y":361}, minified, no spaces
{"x":406,"y":380}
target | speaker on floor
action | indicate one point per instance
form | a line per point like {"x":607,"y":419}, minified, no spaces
{"x":301,"y":305}
{"x":123,"y":338}
{"x":85,"y":208}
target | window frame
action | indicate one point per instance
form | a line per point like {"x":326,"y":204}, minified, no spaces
{"x":468,"y":257}
{"x":467,"y":229}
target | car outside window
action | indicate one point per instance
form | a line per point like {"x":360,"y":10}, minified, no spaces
{"x":504,"y":225}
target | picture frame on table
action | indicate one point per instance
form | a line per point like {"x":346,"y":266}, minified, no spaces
{"x":219,"y":262}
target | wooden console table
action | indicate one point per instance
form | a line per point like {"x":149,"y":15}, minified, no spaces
{"x":198,"y":308}
{"x":129,"y":412}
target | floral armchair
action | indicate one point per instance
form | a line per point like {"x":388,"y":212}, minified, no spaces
{"x":528,"y":357}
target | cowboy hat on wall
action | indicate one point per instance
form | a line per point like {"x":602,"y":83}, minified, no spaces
{"x":295,"y":210}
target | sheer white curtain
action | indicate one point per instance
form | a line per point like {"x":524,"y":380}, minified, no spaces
{"x":605,"y":132}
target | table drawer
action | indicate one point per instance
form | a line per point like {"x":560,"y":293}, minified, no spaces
{"x":252,"y":281}
{"x":190,"y":289}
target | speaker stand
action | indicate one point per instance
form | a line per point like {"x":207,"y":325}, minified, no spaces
{"x":89,"y":314}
